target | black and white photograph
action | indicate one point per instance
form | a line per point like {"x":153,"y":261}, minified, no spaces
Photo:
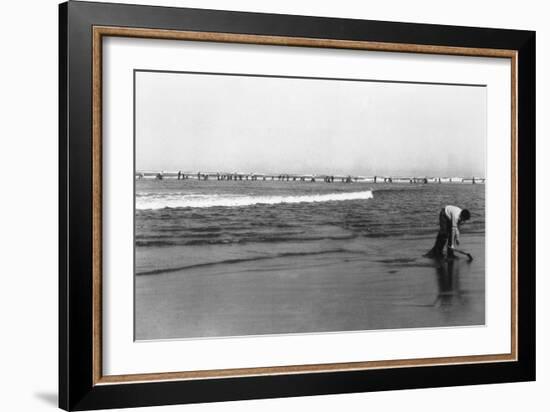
{"x":269,"y":205}
{"x":221,"y":206}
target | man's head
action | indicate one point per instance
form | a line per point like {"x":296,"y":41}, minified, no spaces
{"x":464,"y":215}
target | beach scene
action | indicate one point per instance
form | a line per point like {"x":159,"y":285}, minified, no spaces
{"x":268,"y":205}
{"x":231,"y":258}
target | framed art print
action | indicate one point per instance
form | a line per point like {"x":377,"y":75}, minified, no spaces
{"x":257,"y":205}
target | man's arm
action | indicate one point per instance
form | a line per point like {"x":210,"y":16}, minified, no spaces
{"x":456,"y":238}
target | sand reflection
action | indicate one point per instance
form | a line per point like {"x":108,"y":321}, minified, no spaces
{"x":448,"y":273}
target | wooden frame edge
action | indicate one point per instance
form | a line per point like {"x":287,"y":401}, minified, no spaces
{"x":514,"y":220}
{"x":165,"y":34}
{"x":98,"y":32}
{"x":298,"y":369}
{"x":97,"y":238}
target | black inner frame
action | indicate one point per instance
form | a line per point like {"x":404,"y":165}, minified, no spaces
{"x":76,"y":388}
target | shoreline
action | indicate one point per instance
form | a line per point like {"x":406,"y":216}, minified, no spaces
{"x":330,"y":286}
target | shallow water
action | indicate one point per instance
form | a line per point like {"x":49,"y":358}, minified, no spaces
{"x":272,"y":212}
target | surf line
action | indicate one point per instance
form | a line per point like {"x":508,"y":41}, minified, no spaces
{"x":202,"y":201}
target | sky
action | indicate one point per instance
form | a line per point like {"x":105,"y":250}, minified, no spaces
{"x":221,"y":123}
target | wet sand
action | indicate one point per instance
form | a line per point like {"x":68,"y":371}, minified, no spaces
{"x":336,"y":285}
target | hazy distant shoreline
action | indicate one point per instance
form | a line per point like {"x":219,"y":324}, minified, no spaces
{"x":311,"y":177}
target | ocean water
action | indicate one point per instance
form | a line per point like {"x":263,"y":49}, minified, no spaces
{"x":194,"y":213}
{"x":234,"y":258}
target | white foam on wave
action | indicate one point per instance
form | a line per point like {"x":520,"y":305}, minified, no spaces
{"x":175,"y":200}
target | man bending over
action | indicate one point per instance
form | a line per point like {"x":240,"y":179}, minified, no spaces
{"x":450,"y":218}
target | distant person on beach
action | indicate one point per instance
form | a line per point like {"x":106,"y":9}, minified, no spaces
{"x":450,"y":218}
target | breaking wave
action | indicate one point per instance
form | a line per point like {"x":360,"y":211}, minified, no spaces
{"x":180,"y":200}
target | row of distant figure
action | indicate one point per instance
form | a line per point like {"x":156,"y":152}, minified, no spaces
{"x":303,"y":178}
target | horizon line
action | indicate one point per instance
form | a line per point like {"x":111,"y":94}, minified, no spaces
{"x":151,"y":172}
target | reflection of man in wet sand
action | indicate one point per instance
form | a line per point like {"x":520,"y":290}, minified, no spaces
{"x":448,"y":284}
{"x":450,"y":218}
